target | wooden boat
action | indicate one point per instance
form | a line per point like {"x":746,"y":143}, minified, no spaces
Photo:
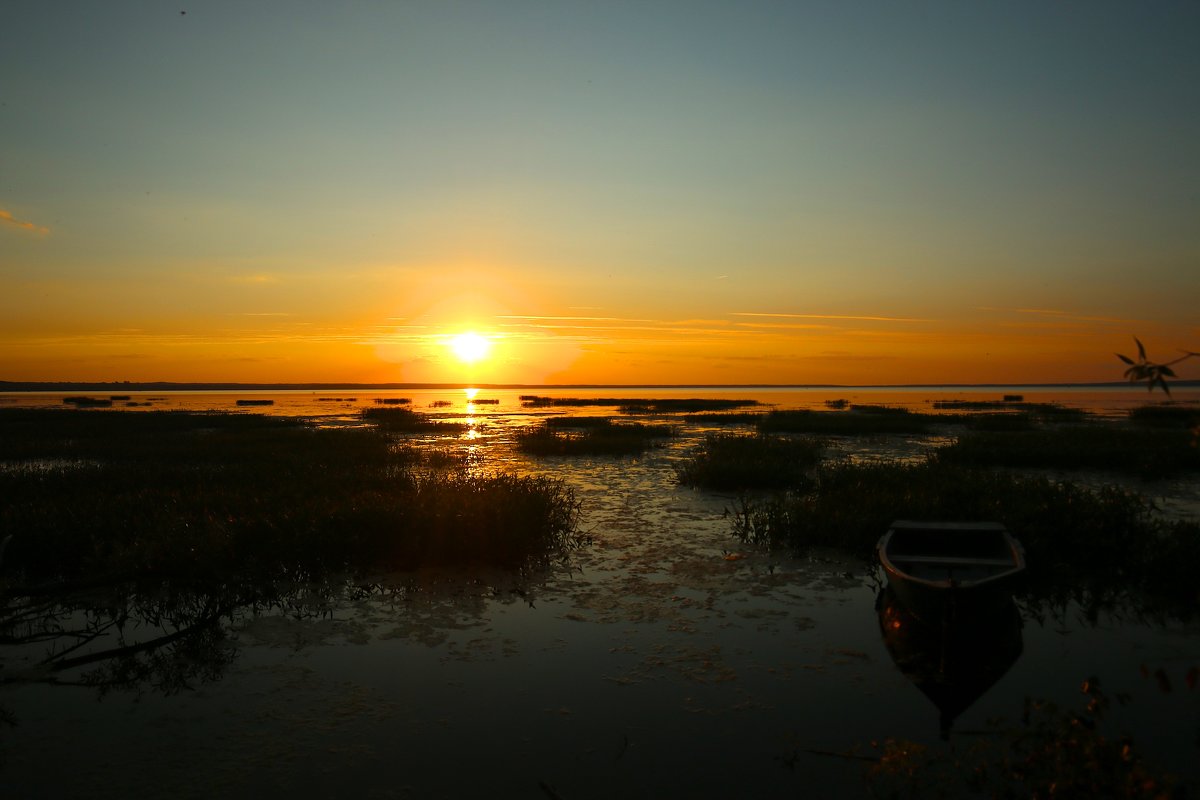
{"x":946,"y":571}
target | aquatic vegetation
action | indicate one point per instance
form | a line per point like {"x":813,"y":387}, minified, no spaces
{"x":194,"y":498}
{"x":1147,"y":452}
{"x":859,"y":421}
{"x":255,"y":402}
{"x":392,"y":401}
{"x":1051,"y":752}
{"x":1166,"y":416}
{"x":978,"y":405}
{"x":637,"y":405}
{"x":88,"y":402}
{"x":999,"y":421}
{"x":729,"y":461}
{"x":1096,"y":547}
{"x":719,"y":418}
{"x":595,"y":438}
{"x":578,"y":422}
{"x":1049,"y":412}
{"x":404,"y":420}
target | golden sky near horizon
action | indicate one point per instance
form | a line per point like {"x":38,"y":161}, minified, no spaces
{"x":618,"y":193}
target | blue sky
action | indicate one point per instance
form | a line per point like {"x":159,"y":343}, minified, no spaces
{"x":267,"y":188}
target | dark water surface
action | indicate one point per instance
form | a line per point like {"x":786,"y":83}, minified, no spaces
{"x":665,"y":659}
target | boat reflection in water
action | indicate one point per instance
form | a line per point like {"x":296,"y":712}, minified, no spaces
{"x":952,"y":664}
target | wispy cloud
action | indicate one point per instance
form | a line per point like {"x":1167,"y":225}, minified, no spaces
{"x":9,"y":220}
{"x":861,"y":318}
{"x":791,"y":326}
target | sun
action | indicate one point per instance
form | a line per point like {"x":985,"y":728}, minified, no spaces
{"x":470,"y":347}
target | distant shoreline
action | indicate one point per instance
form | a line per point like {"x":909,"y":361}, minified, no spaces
{"x":168,"y":386}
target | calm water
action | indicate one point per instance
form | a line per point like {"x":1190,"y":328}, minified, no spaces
{"x":664,"y":660}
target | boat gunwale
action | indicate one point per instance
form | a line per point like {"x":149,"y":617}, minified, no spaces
{"x":894,"y":571}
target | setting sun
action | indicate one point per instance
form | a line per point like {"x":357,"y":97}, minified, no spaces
{"x":470,"y":347}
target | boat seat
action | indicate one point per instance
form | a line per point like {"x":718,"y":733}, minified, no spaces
{"x":950,"y":561}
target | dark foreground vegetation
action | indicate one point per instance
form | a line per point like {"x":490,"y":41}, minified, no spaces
{"x":213,"y":499}
{"x":859,"y":420}
{"x":404,"y":420}
{"x":591,"y":436}
{"x":639,"y":405}
{"x":1102,"y":547}
{"x":729,"y":461}
{"x":1148,"y":452}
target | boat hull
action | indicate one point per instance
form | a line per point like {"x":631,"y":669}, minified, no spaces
{"x":945,"y":572}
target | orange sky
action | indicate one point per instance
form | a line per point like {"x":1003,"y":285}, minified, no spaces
{"x":681,"y":193}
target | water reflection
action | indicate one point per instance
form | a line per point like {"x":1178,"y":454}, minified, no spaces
{"x":126,"y":639}
{"x":168,"y":642}
{"x":952,"y":665}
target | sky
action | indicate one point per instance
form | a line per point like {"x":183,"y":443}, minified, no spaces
{"x":607,"y":192}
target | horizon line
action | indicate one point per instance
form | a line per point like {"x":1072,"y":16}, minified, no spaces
{"x":81,"y":386}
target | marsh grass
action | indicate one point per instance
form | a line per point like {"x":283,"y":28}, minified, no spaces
{"x":578,"y":422}
{"x":1015,"y":403}
{"x":859,"y":421}
{"x":1147,"y":452}
{"x":595,"y":437}
{"x":210,"y":497}
{"x":404,"y":420}
{"x":718,"y":418}
{"x":1166,"y":416}
{"x":731,"y":462}
{"x":1000,"y":421}
{"x":1098,"y":547}
{"x":88,"y":402}
{"x":637,"y":405}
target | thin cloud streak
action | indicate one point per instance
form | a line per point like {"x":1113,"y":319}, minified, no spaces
{"x":830,"y":316}
{"x":8,"y":219}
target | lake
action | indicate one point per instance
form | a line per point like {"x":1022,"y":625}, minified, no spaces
{"x":664,"y":658}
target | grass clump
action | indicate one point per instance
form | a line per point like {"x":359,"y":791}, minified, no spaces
{"x":999,"y":421}
{"x":1146,"y":452}
{"x":596,"y":438}
{"x":201,"y":499}
{"x":404,"y":420}
{"x":718,"y":418}
{"x":690,"y":405}
{"x":1166,"y":416}
{"x":638,"y":405}
{"x":1014,"y":402}
{"x":730,"y":462}
{"x":859,"y":421}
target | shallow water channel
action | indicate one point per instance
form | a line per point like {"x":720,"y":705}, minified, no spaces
{"x":664,"y":659}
